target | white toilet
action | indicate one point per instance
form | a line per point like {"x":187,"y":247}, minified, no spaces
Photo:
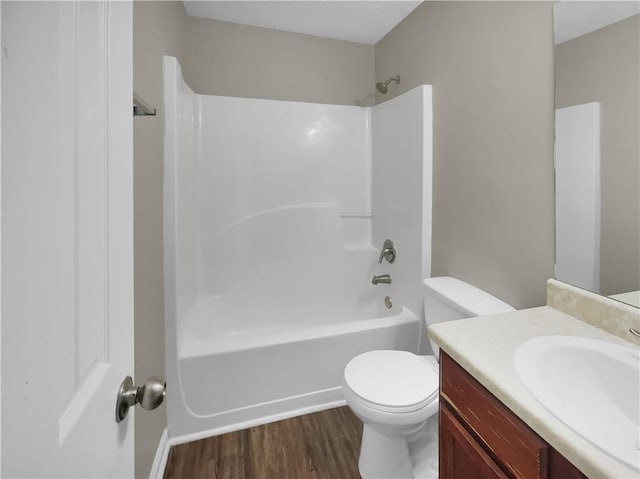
{"x":394,"y":393}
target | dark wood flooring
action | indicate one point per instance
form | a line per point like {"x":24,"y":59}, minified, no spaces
{"x":323,"y":445}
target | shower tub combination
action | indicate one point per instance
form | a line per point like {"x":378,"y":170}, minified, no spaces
{"x":269,"y":249}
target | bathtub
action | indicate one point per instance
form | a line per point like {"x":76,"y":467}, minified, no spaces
{"x":270,"y":245}
{"x":235,"y":373}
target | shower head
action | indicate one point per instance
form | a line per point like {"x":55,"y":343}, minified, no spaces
{"x":383,"y":87}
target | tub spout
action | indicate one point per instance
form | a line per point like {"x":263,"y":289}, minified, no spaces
{"x":383,"y":278}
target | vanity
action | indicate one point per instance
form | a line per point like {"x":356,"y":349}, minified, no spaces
{"x":491,"y":424}
{"x":481,"y":438}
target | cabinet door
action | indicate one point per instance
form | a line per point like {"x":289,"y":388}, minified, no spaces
{"x":518,"y":449}
{"x":560,"y":468}
{"x":461,"y":457}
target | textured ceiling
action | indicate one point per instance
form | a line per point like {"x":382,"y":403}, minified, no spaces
{"x":352,"y":20}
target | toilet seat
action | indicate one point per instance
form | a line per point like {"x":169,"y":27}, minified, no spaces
{"x":392,"y":381}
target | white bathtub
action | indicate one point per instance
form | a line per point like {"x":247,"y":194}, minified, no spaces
{"x":270,"y":245}
{"x":234,"y":377}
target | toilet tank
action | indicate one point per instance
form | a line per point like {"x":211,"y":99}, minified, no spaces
{"x":446,"y":299}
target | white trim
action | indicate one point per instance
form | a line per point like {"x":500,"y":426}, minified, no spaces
{"x":1,"y":53}
{"x":160,"y":459}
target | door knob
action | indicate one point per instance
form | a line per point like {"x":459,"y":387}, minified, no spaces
{"x":150,"y":395}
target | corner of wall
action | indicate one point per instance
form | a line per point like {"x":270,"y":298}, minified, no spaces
{"x":157,"y":31}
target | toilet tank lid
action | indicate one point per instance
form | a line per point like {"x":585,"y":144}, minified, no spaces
{"x":465,"y":297}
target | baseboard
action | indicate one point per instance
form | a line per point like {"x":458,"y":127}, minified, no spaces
{"x":160,"y":459}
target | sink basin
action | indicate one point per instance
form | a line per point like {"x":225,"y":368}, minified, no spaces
{"x":592,"y":386}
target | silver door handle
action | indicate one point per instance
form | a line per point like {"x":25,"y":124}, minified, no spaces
{"x":150,"y":395}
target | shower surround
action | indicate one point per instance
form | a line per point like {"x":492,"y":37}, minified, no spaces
{"x":270,"y":245}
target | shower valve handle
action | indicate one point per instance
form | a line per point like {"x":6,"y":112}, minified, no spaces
{"x":388,"y":252}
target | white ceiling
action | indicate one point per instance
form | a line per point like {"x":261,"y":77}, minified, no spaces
{"x":368,"y":21}
{"x":575,"y":18}
{"x":351,"y":20}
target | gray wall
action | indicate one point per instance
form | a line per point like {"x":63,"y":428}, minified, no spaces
{"x":236,"y":60}
{"x":604,"y":66}
{"x":491,"y":67}
{"x":157,"y":31}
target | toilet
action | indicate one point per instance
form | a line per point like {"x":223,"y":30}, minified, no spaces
{"x":395,"y":393}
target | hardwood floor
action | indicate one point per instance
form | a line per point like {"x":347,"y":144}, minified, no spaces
{"x":323,"y":445}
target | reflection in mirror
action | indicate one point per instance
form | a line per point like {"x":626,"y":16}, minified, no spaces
{"x":597,"y":69}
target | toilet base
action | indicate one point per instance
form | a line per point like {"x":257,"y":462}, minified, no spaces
{"x":383,"y":456}
{"x":423,"y":450}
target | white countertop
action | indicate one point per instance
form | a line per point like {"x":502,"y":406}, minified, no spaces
{"x":484,"y":347}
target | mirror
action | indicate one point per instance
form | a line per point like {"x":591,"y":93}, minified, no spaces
{"x":597,"y":81}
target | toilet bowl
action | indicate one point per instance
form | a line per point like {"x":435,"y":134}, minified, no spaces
{"x":394,"y":393}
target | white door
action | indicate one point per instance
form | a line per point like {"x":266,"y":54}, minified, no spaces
{"x":67,"y":292}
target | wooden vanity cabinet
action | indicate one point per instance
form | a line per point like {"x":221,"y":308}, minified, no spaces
{"x":481,"y":438}
{"x":461,"y":455}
